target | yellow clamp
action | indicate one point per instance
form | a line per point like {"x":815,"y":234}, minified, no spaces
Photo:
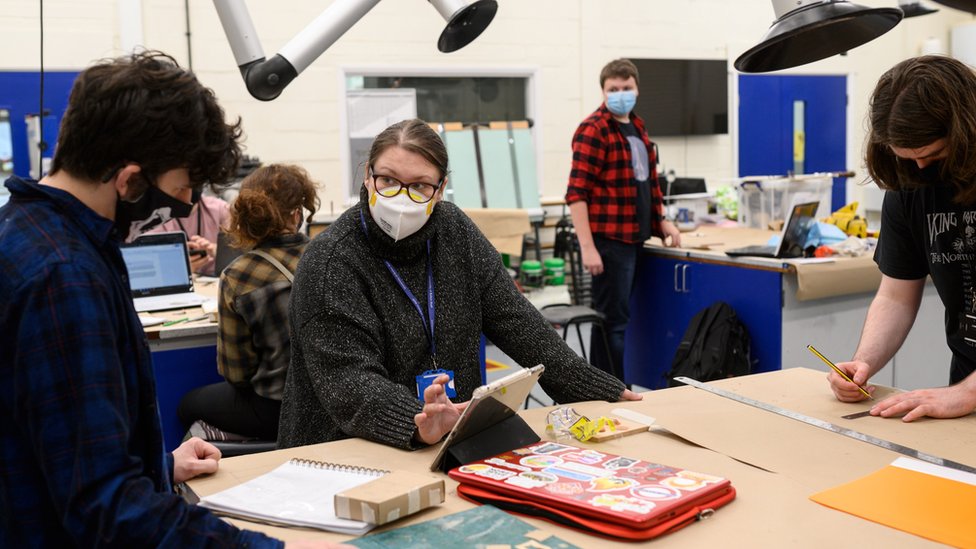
{"x":584,"y":428}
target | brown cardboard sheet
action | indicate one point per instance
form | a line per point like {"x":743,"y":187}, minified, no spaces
{"x":771,"y":509}
{"x":812,"y":456}
{"x":847,"y":275}
{"x":504,"y":228}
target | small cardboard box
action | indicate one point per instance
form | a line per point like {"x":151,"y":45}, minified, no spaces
{"x":390,"y":497}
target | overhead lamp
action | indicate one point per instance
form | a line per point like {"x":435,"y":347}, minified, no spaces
{"x":914,"y":9}
{"x":964,"y":5}
{"x":810,"y":30}
{"x":266,"y":78}
{"x":465,"y":21}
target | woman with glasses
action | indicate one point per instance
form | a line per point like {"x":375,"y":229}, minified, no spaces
{"x":402,"y":284}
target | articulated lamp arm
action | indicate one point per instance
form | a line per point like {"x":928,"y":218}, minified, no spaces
{"x":266,"y":78}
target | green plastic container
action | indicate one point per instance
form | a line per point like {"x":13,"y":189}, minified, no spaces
{"x":531,"y":274}
{"x":555,"y":271}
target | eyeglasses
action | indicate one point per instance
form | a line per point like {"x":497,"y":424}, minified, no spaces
{"x":388,"y":186}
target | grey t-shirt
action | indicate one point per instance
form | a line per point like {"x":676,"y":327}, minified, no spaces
{"x":640,"y":162}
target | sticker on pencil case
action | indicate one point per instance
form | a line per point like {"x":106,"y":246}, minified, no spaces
{"x":586,"y":469}
{"x":611,"y":484}
{"x":707,"y":479}
{"x":509,"y":464}
{"x":531,"y":480}
{"x":540,"y":462}
{"x":566,"y":473}
{"x":566,"y":488}
{"x":495,"y":473}
{"x":474,"y":469}
{"x":584,"y":457}
{"x":620,"y":463}
{"x":551,"y":447}
{"x":684,"y":483}
{"x":621,"y":504}
{"x":655,"y":492}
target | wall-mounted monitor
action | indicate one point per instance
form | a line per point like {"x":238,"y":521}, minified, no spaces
{"x":681,"y":97}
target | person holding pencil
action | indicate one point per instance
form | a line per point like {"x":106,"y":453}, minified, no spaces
{"x":921,"y":151}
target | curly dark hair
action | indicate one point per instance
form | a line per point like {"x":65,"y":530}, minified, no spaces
{"x":145,"y":109}
{"x":914,"y":104}
{"x":268,"y":199}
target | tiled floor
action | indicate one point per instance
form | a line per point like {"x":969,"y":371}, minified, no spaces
{"x":538,"y":397}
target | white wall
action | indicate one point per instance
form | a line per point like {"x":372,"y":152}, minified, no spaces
{"x":569,"y":40}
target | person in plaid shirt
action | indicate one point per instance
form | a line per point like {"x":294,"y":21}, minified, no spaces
{"x":253,"y":346}
{"x":615,"y":203}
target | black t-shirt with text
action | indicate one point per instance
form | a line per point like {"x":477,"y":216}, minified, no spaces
{"x":923,"y":232}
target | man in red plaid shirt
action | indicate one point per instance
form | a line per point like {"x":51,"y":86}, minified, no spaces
{"x":615,"y":203}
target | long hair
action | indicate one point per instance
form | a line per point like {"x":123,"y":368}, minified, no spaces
{"x":915,"y":103}
{"x":268,"y":200}
{"x":414,"y":136}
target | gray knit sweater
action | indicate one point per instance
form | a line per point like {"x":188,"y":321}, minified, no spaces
{"x":358,"y":342}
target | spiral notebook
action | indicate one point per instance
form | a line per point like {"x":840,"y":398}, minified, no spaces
{"x":300,"y":492}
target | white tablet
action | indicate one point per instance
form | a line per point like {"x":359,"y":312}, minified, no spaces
{"x":490,"y":404}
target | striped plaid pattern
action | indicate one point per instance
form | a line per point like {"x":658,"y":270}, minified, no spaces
{"x":81,"y":452}
{"x":603,"y":176}
{"x":253,"y":346}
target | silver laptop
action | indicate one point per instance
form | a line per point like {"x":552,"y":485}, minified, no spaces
{"x":791,"y":240}
{"x":159,"y":272}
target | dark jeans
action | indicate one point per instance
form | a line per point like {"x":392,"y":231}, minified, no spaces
{"x":236,"y":410}
{"x":611,"y":296}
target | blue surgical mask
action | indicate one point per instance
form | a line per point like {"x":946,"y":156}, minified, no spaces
{"x":622,"y":102}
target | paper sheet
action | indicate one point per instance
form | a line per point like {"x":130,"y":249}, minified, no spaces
{"x":919,"y":498}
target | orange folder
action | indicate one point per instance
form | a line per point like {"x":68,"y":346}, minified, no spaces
{"x":903,"y":497}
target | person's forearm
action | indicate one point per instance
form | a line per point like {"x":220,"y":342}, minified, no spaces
{"x":580,"y":213}
{"x":890,"y":318}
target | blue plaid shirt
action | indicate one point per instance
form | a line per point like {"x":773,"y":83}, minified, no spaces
{"x":81,"y":451}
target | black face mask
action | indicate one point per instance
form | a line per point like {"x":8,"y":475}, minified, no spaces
{"x":149,"y":211}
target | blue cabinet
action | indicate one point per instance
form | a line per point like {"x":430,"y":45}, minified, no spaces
{"x":670,"y":291}
{"x":177,"y":372}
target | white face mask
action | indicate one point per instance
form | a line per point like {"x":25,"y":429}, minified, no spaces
{"x":398,"y":216}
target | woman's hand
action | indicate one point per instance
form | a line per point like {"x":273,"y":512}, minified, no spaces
{"x":439,"y":414}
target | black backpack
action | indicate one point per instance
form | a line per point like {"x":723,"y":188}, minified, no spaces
{"x":715,"y":346}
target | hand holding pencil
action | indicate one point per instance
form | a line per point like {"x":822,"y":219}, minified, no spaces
{"x":847,"y":379}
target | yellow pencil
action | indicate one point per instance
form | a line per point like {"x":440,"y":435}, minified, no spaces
{"x":838,"y":370}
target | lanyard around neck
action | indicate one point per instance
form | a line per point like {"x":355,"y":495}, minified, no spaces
{"x":428,"y":328}
{"x":199,"y":219}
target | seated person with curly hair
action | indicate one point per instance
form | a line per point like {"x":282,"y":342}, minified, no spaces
{"x":253,"y":347}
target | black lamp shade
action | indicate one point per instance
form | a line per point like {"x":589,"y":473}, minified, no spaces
{"x":916,"y":9}
{"x":964,"y":5}
{"x":466,"y":25}
{"x":815,"y":32}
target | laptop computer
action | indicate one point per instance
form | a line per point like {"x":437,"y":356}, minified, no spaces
{"x":791,"y":239}
{"x":159,"y":272}
{"x":226,"y":254}
{"x":490,"y":405}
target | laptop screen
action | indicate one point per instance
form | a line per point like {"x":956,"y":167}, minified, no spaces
{"x":158,"y":265}
{"x":802,"y":217}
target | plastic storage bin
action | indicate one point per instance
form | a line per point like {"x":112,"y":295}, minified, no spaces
{"x":763,"y":200}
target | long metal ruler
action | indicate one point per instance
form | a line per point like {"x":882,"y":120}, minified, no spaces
{"x":886,"y":444}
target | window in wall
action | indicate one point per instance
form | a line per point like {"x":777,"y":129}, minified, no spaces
{"x":465,"y":99}
{"x":459,"y":99}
